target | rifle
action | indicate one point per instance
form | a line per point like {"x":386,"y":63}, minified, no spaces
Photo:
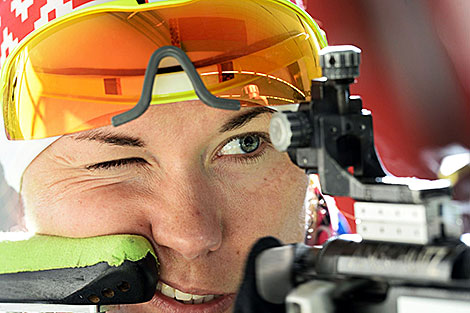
{"x":407,"y":256}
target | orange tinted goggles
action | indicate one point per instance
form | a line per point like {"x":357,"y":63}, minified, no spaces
{"x":78,"y":73}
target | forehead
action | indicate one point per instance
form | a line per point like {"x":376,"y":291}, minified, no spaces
{"x":182,"y":116}
{"x":182,"y":119}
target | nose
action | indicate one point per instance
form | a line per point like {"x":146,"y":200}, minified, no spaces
{"x":184,"y":216}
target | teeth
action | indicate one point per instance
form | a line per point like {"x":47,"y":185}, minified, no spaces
{"x":168,"y":291}
{"x":198,"y":299}
{"x":179,"y":295}
{"x":208,"y":298}
{"x":184,"y":297}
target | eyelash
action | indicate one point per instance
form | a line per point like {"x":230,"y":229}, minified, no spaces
{"x":116,"y":163}
{"x":240,"y":158}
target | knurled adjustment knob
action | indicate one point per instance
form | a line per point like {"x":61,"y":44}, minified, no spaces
{"x":340,"y":62}
{"x":289,"y":130}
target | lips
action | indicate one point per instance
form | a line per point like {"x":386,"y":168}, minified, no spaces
{"x":168,"y":299}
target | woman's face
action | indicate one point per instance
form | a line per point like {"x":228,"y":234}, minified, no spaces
{"x":201,"y":184}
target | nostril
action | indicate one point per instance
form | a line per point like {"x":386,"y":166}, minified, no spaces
{"x":215,"y":244}
{"x":199,"y":247}
{"x":191,"y":256}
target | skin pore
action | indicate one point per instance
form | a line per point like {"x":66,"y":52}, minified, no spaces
{"x":201,"y":184}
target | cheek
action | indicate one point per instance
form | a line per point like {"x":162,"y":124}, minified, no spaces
{"x":87,"y":214}
{"x":270,"y":202}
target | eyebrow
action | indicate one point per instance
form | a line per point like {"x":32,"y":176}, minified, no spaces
{"x":111,"y":139}
{"x":243,"y":118}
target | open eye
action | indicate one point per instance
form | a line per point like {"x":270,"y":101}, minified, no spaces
{"x":245,"y":144}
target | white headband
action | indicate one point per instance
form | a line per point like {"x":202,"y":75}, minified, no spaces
{"x":16,"y":155}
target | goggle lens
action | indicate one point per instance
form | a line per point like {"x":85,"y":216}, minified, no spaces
{"x":80,"y":72}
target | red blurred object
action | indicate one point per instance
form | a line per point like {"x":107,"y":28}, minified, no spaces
{"x":415,"y":76}
{"x":346,"y":206}
{"x":325,"y":220}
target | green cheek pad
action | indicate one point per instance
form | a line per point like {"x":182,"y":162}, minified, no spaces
{"x":104,"y":270}
{"x":41,"y":252}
